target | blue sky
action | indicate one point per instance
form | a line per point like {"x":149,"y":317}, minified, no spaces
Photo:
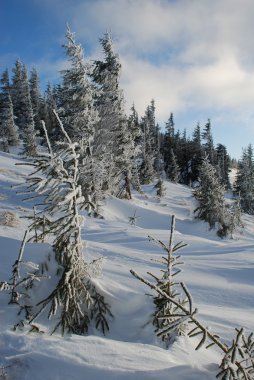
{"x":194,"y":57}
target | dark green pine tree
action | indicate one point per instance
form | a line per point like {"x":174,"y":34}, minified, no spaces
{"x":8,"y":130}
{"x":173,"y":171}
{"x":29,"y":133}
{"x":244,"y":185}
{"x":135,"y":128}
{"x":36,"y":100}
{"x":169,"y":139}
{"x":112,"y":137}
{"x":154,"y":132}
{"x":183,"y":155}
{"x":17,"y":95}
{"x":49,"y":117}
{"x":196,"y":153}
{"x":136,"y":135}
{"x":223,"y":165}
{"x":22,"y":105}
{"x":208,"y":145}
{"x":210,"y":195}
{"x":147,"y":172}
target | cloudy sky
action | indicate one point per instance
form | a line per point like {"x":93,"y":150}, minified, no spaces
{"x":194,"y":57}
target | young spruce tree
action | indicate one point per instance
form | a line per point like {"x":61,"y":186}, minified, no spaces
{"x":75,"y":300}
{"x":210,"y":195}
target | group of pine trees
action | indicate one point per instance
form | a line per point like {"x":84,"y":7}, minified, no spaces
{"x":118,"y":152}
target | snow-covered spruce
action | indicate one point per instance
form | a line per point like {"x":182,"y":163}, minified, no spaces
{"x":8,"y":130}
{"x":238,"y":359}
{"x":114,"y":138}
{"x":22,"y":105}
{"x":149,"y":146}
{"x":166,"y":317}
{"x":212,"y":207}
{"x":244,"y":185}
{"x":74,"y":300}
{"x":80,"y":117}
{"x":210,"y":195}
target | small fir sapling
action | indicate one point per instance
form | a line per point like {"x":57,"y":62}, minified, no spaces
{"x":133,"y":219}
{"x":238,"y":359}
{"x":164,"y":317}
{"x":167,"y":318}
{"x":232,"y":219}
{"x":56,"y":179}
{"x":160,"y":188}
{"x":172,"y":170}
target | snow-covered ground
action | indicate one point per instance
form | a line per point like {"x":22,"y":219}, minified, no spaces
{"x":218,"y":273}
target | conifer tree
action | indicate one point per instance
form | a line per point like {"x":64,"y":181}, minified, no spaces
{"x":124,"y":158}
{"x":17,"y":95}
{"x":208,"y":145}
{"x":75,"y":299}
{"x":172,"y":172}
{"x":49,"y":117}
{"x":223,"y":165}
{"x":78,"y":95}
{"x":9,"y":131}
{"x":169,"y":139}
{"x":196,"y":152}
{"x":244,"y":184}
{"x":136,"y":136}
{"x":160,"y":189}
{"x":29,"y":133}
{"x":232,"y":219}
{"x":135,"y":129}
{"x":113,"y":139}
{"x":80,"y":117}
{"x":36,"y":100}
{"x":210,"y":195}
{"x":147,"y":171}
{"x":22,"y":106}
{"x":167,"y":323}
{"x":238,"y":358}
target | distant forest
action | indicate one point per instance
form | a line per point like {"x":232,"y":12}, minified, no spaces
{"x":117,"y":152}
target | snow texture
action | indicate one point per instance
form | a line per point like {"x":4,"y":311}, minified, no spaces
{"x":218,"y":273}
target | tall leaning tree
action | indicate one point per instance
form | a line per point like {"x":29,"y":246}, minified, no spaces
{"x":80,"y":116}
{"x":113,"y":139}
{"x":74,"y":301}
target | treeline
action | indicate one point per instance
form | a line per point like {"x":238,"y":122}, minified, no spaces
{"x":118,"y":152}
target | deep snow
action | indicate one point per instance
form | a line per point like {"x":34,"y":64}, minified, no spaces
{"x":218,"y":273}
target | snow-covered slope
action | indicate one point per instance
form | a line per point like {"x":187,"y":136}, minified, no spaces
{"x":218,"y":273}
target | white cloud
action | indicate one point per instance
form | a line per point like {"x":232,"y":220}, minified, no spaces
{"x":186,"y":54}
{"x":178,"y":52}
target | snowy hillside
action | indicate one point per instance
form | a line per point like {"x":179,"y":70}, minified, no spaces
{"x":218,"y":274}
